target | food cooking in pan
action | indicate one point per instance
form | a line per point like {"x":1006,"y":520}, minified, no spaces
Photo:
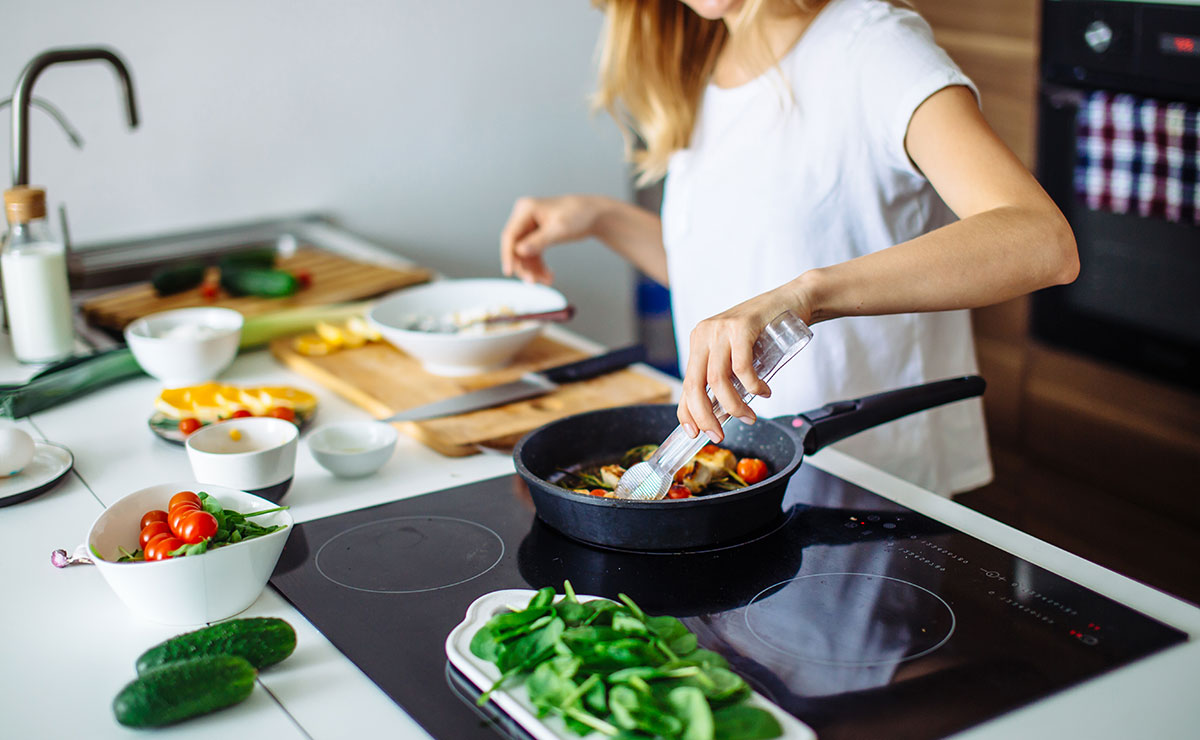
{"x":712,"y":470}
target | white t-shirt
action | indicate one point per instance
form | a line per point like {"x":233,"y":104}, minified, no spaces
{"x":789,"y":173}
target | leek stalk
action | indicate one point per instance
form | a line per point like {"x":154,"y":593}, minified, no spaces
{"x":78,"y":376}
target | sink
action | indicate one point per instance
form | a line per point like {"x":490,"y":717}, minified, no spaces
{"x":114,"y":263}
{"x":98,"y":268}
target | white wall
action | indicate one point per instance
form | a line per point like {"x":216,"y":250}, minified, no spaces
{"x":415,"y":123}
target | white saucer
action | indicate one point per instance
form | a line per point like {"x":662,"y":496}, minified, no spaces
{"x":50,"y":464}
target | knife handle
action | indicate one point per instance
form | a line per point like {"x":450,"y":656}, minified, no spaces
{"x":594,"y":366}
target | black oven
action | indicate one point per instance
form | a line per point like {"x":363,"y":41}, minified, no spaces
{"x":1136,"y":302}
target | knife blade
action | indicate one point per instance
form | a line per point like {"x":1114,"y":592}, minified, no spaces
{"x":529,"y":385}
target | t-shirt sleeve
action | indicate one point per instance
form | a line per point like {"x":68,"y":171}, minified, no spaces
{"x":900,"y":66}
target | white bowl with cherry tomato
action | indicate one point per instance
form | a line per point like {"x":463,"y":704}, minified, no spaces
{"x":194,"y":569}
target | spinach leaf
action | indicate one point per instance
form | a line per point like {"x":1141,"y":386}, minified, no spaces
{"x":534,"y":644}
{"x":690,"y":706}
{"x":740,"y":722}
{"x":607,"y":667}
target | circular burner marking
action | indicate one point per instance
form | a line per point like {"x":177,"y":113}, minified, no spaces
{"x":409,"y":554}
{"x":921,"y":620}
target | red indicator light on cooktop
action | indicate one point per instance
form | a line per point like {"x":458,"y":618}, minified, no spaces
{"x":1174,"y":43}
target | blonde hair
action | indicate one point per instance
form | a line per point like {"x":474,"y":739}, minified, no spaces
{"x":656,"y":58}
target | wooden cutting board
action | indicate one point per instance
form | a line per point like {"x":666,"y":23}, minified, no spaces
{"x":334,"y":279}
{"x":383,"y":380}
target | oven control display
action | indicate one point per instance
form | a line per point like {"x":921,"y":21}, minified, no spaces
{"x":1174,"y":43}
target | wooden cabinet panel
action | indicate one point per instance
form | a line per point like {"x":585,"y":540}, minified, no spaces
{"x":1136,"y":439}
{"x":1002,"y":365}
{"x":1008,"y":321}
{"x":1017,"y":18}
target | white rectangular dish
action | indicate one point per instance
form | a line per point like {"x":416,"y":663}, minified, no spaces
{"x":515,"y":701}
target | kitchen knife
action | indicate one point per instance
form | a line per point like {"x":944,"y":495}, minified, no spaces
{"x":529,"y":385}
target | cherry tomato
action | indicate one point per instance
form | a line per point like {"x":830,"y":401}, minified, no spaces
{"x":152,"y":530}
{"x":197,"y":527}
{"x":183,"y":496}
{"x":154,"y":539}
{"x":240,"y":414}
{"x":304,"y":278}
{"x":282,"y":412}
{"x":161,"y":547}
{"x":598,"y":492}
{"x":157,"y":515}
{"x":189,"y":425}
{"x":178,"y":514}
{"x":678,"y":491}
{"x":751,"y":469}
{"x":208,"y":291}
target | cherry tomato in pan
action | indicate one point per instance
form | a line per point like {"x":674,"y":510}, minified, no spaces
{"x":161,"y":547}
{"x":197,"y":527}
{"x":598,"y":492}
{"x":678,"y":491}
{"x":152,"y":530}
{"x":240,"y":414}
{"x":751,"y":469}
{"x":282,"y":412}
{"x":183,"y":496}
{"x":178,"y":514}
{"x":189,"y":425}
{"x":157,"y":515}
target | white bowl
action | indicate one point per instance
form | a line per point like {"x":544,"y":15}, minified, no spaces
{"x":463,"y":353}
{"x":251,"y":453}
{"x":186,"y":346}
{"x":353,"y":449}
{"x":195,"y":588}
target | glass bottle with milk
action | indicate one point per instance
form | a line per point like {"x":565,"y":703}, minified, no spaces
{"x":33,"y":264}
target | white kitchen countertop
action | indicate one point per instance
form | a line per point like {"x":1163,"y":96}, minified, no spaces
{"x":69,"y":644}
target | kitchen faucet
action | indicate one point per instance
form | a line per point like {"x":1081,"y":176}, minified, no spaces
{"x":23,"y":95}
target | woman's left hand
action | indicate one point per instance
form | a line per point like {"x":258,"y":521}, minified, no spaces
{"x":721,"y":348}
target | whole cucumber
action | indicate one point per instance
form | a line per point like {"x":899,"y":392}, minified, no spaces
{"x":262,"y":641}
{"x":263,"y":258}
{"x":177,"y":691}
{"x":177,"y":278}
{"x":259,"y":282}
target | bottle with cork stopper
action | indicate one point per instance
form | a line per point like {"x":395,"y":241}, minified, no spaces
{"x":33,"y":265}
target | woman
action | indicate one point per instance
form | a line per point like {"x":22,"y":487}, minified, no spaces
{"x":815,"y":154}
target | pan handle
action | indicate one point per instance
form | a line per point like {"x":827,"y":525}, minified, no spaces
{"x":836,"y":421}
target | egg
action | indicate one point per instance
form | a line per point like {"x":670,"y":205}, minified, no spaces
{"x":16,"y":450}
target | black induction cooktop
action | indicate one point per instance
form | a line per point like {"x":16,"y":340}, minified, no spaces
{"x":857,"y":615}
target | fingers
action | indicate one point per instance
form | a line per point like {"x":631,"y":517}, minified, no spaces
{"x":720,"y":382}
{"x":721,"y":349}
{"x":527,"y":261}
{"x":742,"y":358}
{"x":695,"y":408}
{"x":521,"y":222}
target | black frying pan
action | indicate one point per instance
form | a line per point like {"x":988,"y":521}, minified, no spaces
{"x":701,"y":521}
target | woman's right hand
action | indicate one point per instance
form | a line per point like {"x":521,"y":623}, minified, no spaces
{"x":538,"y":223}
